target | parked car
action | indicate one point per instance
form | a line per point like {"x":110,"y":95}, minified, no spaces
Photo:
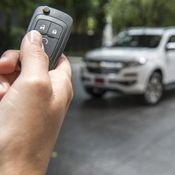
{"x":140,"y":61}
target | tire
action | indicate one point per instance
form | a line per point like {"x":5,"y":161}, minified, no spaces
{"x":95,"y":92}
{"x":154,"y":89}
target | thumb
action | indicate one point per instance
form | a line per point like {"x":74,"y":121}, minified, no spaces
{"x":34,"y":60}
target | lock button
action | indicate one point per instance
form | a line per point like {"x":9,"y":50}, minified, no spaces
{"x":55,"y":30}
{"x":42,"y":26}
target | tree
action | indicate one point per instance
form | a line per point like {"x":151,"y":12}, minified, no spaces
{"x":82,"y":10}
{"x":126,"y":13}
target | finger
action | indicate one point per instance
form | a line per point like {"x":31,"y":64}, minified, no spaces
{"x":64,"y":65}
{"x":34,"y":61}
{"x":61,"y":82}
{"x":4,"y":86}
{"x":12,"y":77}
{"x":62,"y":92}
{"x":9,"y":62}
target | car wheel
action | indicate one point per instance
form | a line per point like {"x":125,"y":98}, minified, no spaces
{"x":95,"y":92}
{"x":154,"y":90}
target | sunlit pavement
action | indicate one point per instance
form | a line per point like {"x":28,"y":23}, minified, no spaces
{"x":115,"y":136}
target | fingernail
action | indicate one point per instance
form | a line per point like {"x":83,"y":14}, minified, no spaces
{"x":35,"y":37}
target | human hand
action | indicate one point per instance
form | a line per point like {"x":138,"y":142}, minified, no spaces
{"x":32,"y":107}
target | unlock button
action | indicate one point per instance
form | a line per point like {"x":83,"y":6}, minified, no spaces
{"x":55,"y":30}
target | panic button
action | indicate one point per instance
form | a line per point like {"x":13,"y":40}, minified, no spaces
{"x":55,"y":30}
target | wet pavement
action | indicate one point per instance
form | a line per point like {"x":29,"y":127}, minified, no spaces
{"x":117,"y":135}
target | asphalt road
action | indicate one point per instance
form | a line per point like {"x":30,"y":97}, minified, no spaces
{"x":117,"y":135}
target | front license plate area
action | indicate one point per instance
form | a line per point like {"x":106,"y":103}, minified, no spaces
{"x":99,"y":80}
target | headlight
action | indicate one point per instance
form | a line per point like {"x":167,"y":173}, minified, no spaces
{"x":139,"y":62}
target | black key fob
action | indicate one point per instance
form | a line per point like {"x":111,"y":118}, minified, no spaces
{"x":55,"y":27}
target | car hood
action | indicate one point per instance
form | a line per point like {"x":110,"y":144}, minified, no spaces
{"x":115,"y":54}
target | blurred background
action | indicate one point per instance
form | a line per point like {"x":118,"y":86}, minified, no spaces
{"x":91,"y":18}
{"x":116,"y":134}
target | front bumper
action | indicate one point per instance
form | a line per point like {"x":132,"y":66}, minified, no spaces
{"x":128,"y":81}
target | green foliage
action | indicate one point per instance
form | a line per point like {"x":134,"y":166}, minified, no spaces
{"x":82,"y":11}
{"x":126,"y":13}
{"x":24,"y":7}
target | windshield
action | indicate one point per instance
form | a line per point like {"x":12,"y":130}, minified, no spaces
{"x":126,"y":39}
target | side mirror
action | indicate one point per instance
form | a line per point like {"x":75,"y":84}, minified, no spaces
{"x":170,"y":46}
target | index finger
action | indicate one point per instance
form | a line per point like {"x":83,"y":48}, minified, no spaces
{"x":9,"y":61}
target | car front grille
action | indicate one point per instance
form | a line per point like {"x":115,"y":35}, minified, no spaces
{"x":104,"y":67}
{"x":102,"y":70}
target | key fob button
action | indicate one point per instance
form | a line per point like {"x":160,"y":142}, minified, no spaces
{"x":42,"y":26}
{"x":49,"y":44}
{"x":55,"y":30}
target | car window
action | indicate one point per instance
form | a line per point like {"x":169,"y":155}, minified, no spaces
{"x":126,"y":39}
{"x":172,"y":39}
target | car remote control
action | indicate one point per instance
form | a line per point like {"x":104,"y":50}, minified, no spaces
{"x":55,"y":27}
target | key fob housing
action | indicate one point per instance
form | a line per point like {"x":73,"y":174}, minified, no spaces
{"x":55,"y":27}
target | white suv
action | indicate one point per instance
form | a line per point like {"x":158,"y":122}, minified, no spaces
{"x":140,"y":61}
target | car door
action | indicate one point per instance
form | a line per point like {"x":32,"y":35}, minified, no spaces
{"x":170,"y":54}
